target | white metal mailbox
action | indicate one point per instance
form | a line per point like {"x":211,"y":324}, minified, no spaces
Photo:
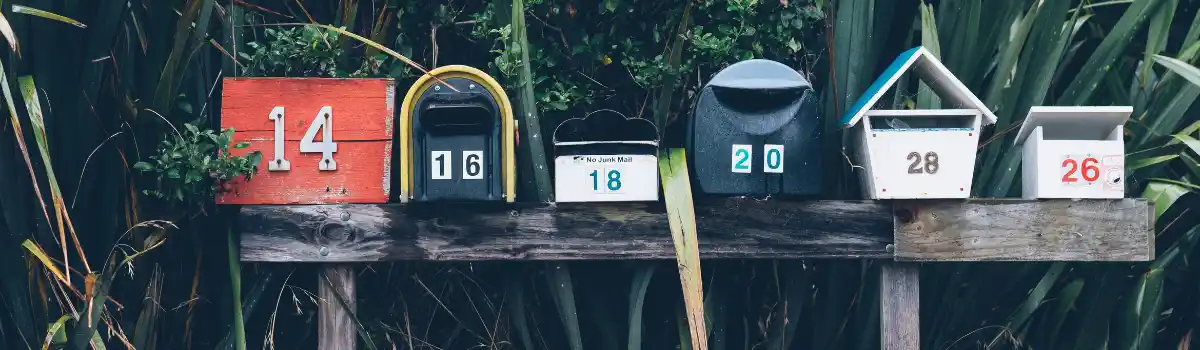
{"x":605,"y":157}
{"x":1073,"y":152}
{"x":917,"y":153}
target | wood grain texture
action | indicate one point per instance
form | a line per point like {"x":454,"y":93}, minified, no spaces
{"x":1025,"y":230}
{"x":335,"y":326}
{"x":727,"y":228}
{"x":899,"y":306}
{"x":362,"y":127}
{"x":304,"y":184}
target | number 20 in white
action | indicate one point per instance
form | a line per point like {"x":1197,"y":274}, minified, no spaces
{"x":322,"y":122}
{"x":772,"y":159}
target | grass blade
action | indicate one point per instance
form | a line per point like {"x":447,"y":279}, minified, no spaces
{"x":533,"y":149}
{"x":516,"y":288}
{"x":1036,"y":297}
{"x":677,"y":193}
{"x":47,"y":15}
{"x":1065,"y":303}
{"x":38,"y":253}
{"x":559,"y":277}
{"x":637,"y":299}
{"x":55,"y":335}
{"x":1156,"y":38}
{"x":1113,"y":46}
{"x":34,"y":107}
{"x":1163,"y":195}
{"x":235,"y":286}
{"x":926,"y":98}
{"x":1183,"y":69}
{"x":9,"y":35}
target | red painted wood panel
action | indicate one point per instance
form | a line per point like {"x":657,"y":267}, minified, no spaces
{"x":362,"y":127}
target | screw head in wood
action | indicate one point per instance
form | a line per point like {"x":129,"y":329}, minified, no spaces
{"x":890,"y":248}
{"x":325,"y":251}
{"x":346,"y":216}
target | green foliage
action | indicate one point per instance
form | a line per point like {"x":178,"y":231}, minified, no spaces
{"x":585,"y":56}
{"x":191,"y":168}
{"x":296,"y":52}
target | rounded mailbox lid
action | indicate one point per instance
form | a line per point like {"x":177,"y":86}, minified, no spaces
{"x":759,"y":74}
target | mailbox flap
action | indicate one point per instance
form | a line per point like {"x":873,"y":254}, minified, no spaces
{"x":1073,"y":122}
{"x":605,"y":131}
{"x":756,"y":96}
{"x":759,"y":74}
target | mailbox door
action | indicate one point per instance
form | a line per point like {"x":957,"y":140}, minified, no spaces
{"x":1079,"y":169}
{"x":606,"y":172}
{"x":457,"y":167}
{"x":725,"y":159}
{"x":922,"y":163}
{"x":456,"y":147}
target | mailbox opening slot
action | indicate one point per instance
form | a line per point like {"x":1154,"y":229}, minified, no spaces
{"x":457,"y":115}
{"x":922,"y":120}
{"x":751,"y":99}
{"x":1079,"y":132}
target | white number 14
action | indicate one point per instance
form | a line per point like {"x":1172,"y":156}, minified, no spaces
{"x":322,"y":122}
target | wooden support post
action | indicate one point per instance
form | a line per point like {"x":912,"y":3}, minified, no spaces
{"x":899,"y":306}
{"x":335,"y":326}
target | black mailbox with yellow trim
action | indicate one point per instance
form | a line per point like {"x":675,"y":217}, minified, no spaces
{"x":756,"y":131}
{"x":456,"y":134}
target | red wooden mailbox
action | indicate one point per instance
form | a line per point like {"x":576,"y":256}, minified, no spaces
{"x":322,"y":140}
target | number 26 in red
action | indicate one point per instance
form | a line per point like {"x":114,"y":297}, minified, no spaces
{"x":1090,"y":171}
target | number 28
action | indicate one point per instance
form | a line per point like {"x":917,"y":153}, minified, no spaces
{"x":931,"y":163}
{"x":322,"y":122}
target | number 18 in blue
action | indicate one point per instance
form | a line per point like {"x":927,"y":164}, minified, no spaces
{"x":614,"y":180}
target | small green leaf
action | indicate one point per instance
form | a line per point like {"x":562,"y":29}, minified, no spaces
{"x":610,"y":6}
{"x":143,"y":166}
{"x":1185,"y":70}
{"x":1163,"y":195}
{"x":1145,"y":162}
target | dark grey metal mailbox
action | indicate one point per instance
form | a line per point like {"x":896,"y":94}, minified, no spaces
{"x":756,"y":130}
{"x":452,"y":128}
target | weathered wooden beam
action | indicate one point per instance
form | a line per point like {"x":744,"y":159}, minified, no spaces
{"x":727,"y":228}
{"x":1025,"y":230}
{"x":899,"y":306}
{"x":335,"y":326}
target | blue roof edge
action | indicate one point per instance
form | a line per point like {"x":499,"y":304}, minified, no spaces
{"x":882,"y":83}
{"x":899,"y":66}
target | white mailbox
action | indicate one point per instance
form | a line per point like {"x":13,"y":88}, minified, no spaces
{"x":1073,"y":152}
{"x":917,"y":153}
{"x":605,"y":157}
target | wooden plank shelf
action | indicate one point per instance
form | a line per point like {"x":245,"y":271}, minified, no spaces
{"x":728,"y":228}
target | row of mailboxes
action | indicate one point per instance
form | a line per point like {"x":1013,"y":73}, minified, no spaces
{"x":755,"y":130}
{"x":1067,"y":152}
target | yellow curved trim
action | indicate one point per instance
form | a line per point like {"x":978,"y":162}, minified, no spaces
{"x":507,"y":148}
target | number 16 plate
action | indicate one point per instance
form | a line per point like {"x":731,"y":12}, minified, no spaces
{"x":606,"y":178}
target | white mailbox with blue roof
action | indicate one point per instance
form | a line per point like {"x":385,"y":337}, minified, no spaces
{"x":917,"y":153}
